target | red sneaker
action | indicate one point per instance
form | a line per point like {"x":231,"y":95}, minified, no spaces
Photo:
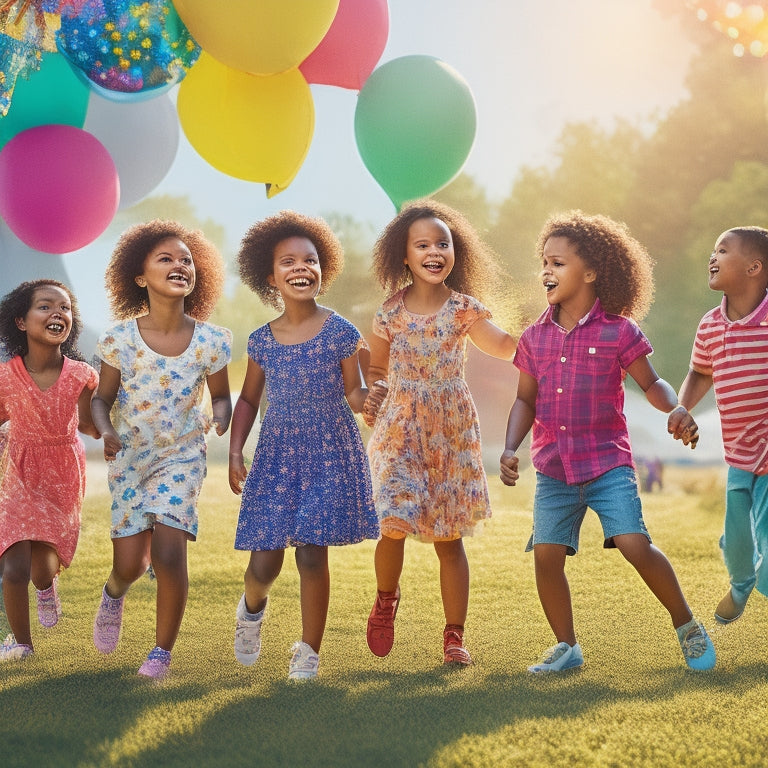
{"x":381,"y":622}
{"x":454,"y":651}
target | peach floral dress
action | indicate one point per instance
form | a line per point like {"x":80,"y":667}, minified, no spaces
{"x":426,"y":462}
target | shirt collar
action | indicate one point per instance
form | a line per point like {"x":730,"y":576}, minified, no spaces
{"x":596,"y":313}
{"x":759,"y":316}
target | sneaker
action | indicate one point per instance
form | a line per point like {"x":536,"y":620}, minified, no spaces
{"x":454,"y":651}
{"x":109,"y":620}
{"x":697,"y":648}
{"x":559,"y":658}
{"x":11,"y":650}
{"x":381,"y":622}
{"x":157,"y":665}
{"x":304,"y":662}
{"x":49,"y":604}
{"x":247,"y":634}
{"x":729,"y":609}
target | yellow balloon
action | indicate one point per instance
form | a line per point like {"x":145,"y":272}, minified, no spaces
{"x":258,"y":36}
{"x":252,"y":127}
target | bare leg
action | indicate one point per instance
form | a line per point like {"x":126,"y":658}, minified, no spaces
{"x":263,"y":568}
{"x":169,"y":561}
{"x":312,"y":562}
{"x":130,"y":560}
{"x":553,"y":589}
{"x":16,"y":576}
{"x":45,"y":565}
{"x":454,"y":580}
{"x":388,"y":562}
{"x":657,"y":572}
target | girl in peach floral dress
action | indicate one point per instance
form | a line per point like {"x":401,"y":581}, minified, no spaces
{"x":426,"y":463}
{"x":45,"y":394}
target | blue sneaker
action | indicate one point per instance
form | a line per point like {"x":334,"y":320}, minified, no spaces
{"x":559,"y":658}
{"x":698,"y":651}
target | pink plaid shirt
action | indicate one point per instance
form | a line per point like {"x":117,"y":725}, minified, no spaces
{"x":580,"y":431}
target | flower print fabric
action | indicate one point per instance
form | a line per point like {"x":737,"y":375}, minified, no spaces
{"x":157,"y":475}
{"x":309,"y":482}
{"x":43,"y":466}
{"x":426,"y":461}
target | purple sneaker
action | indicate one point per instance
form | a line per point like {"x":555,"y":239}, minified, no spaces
{"x":157,"y":665}
{"x":109,"y":620}
{"x":11,"y":650}
{"x":49,"y":604}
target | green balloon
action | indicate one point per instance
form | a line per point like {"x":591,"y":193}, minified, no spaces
{"x":415,"y":124}
{"x":51,"y":95}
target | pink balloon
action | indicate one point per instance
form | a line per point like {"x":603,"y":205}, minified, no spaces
{"x":59,"y":187}
{"x":352,"y":46}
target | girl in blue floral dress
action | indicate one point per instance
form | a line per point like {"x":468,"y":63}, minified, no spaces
{"x":163,"y":281}
{"x":309,"y":485}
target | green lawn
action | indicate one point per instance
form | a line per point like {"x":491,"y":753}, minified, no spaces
{"x":634,"y":703}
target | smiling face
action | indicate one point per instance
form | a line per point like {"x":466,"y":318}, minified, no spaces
{"x":296,"y":271}
{"x":729,"y":263}
{"x":169,"y":269}
{"x":564,"y":273}
{"x":49,"y":317}
{"x":429,"y":250}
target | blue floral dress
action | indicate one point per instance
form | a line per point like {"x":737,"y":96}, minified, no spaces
{"x":309,"y":482}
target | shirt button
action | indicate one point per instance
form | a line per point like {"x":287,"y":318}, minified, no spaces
{"x":559,"y":390}
{"x":562,"y":359}
{"x":562,"y":428}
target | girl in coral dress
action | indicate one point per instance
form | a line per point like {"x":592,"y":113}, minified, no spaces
{"x":426,"y":464}
{"x":45,"y":394}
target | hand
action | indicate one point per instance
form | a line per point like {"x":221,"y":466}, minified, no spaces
{"x":681,"y":426}
{"x":112,"y":445}
{"x":376,"y":394}
{"x":509,"y":467}
{"x":237,"y":473}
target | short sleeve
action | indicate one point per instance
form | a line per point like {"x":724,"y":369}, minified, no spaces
{"x":701,"y":359}
{"x":524,"y":360}
{"x":633,"y":344}
{"x":220,"y":347}
{"x":469,"y":310}
{"x":109,"y":345}
{"x":380,"y":327}
{"x":346,"y":336}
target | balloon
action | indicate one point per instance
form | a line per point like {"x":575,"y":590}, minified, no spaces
{"x":252,"y":127}
{"x":352,"y":47}
{"x":130,"y":51}
{"x":415,"y":123}
{"x":51,"y":95}
{"x":142,"y":139}
{"x":263,"y":37}
{"x":58,"y":187}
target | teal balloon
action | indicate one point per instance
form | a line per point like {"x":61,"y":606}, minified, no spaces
{"x":415,"y":123}
{"x":52,"y":95}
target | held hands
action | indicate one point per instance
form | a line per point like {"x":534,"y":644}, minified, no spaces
{"x":509,"y":467}
{"x":237,"y":472}
{"x":682,"y":426}
{"x":376,"y":394}
{"x":112,"y":445}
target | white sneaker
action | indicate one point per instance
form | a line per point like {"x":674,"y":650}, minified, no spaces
{"x":247,"y":634}
{"x":559,"y":658}
{"x":304,"y":662}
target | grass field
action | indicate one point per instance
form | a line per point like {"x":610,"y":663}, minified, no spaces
{"x":634,"y":703}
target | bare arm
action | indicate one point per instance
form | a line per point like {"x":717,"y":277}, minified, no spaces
{"x":489,"y":338}
{"x":246,"y":408}
{"x":85,"y":417}
{"x":354,"y":388}
{"x":101,"y":405}
{"x":378,"y":369}
{"x":221,"y":400}
{"x":521,"y":418}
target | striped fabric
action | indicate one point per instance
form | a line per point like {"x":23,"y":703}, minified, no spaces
{"x":735,"y":354}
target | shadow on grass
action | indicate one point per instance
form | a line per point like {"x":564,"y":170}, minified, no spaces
{"x":367,"y":718}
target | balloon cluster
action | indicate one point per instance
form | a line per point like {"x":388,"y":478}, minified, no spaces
{"x":92,"y":128}
{"x":746,"y":24}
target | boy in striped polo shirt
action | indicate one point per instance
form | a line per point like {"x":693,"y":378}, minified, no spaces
{"x":730,"y":351}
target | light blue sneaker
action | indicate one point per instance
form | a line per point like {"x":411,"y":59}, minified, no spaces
{"x":698,"y":651}
{"x":559,"y":658}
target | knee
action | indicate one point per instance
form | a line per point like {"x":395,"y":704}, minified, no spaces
{"x":450,"y":551}
{"x":311,"y":559}
{"x":16,"y":571}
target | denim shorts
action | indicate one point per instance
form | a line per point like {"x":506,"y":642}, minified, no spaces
{"x":559,"y":508}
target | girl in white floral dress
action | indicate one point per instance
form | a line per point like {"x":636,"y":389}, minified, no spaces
{"x":163,"y":282}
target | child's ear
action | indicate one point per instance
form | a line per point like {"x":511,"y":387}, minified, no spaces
{"x":590,"y":276}
{"x":271,"y":281}
{"x":755,"y":268}
{"x":20,"y":324}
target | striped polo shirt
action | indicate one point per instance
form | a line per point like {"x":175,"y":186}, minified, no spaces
{"x":735,"y":354}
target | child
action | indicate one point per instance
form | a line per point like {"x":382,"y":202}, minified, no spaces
{"x":45,"y":394}
{"x":425,"y":456}
{"x":572,"y":363}
{"x":730,"y":351}
{"x":163,"y":281}
{"x":309,"y":485}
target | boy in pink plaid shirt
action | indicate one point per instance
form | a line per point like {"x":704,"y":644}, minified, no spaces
{"x":572,"y":364}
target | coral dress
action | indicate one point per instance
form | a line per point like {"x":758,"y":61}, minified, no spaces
{"x":426,"y":461}
{"x":309,"y":482}
{"x":43,"y":482}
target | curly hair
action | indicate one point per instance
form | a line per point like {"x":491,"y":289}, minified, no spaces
{"x":624,"y":269}
{"x":257,"y":251}
{"x":18,"y":302}
{"x":128,"y":300}
{"x":755,"y":240}
{"x":475,"y":270}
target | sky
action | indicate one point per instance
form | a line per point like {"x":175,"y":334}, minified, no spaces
{"x":532,"y":68}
